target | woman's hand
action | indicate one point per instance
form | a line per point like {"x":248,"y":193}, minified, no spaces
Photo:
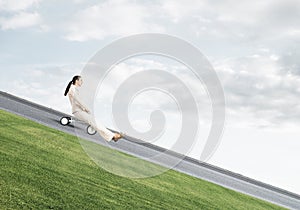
{"x":85,"y":110}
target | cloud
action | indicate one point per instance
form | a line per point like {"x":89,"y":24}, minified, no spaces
{"x":289,"y":58}
{"x":20,"y":14}
{"x":16,"y":5}
{"x":20,"y":20}
{"x":255,"y":22}
{"x":258,"y":92}
{"x":258,"y":22}
{"x":178,"y":10}
{"x":110,"y":18}
{"x":123,"y":71}
{"x":125,"y":17}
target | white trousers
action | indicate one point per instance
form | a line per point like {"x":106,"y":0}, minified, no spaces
{"x":101,"y":129}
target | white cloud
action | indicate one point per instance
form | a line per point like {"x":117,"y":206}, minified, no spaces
{"x":20,"y":20}
{"x":17,"y":5}
{"x":230,"y":20}
{"x":123,"y":71}
{"x":177,"y":10}
{"x":260,"y":20}
{"x":294,"y":32}
{"x":110,"y":18}
{"x":253,"y":21}
{"x":20,"y":14}
{"x":258,"y":92}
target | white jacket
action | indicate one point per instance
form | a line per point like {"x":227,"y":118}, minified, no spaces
{"x":76,"y":102}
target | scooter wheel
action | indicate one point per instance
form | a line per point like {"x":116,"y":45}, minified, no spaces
{"x":65,"y":120}
{"x":90,"y":130}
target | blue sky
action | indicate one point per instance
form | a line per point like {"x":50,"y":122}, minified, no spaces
{"x":253,"y":46}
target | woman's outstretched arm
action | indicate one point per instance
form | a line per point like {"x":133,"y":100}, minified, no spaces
{"x":75,"y":97}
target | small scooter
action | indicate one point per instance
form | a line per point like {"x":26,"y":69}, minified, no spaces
{"x":67,"y":120}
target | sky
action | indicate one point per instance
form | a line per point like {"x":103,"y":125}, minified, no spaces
{"x":252,"y":45}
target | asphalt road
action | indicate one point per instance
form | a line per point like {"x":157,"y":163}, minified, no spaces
{"x":228,"y":179}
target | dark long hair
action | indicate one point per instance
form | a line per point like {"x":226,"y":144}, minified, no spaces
{"x":77,"y":77}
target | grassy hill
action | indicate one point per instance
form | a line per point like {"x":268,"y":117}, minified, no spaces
{"x":42,"y":168}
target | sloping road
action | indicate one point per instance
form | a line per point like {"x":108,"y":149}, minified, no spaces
{"x":228,"y":179}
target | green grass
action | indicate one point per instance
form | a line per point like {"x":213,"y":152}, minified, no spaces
{"x":42,"y":168}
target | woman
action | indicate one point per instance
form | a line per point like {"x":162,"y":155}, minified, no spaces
{"x":81,"y":112}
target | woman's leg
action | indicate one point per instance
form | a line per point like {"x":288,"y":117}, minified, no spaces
{"x":102,"y":130}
